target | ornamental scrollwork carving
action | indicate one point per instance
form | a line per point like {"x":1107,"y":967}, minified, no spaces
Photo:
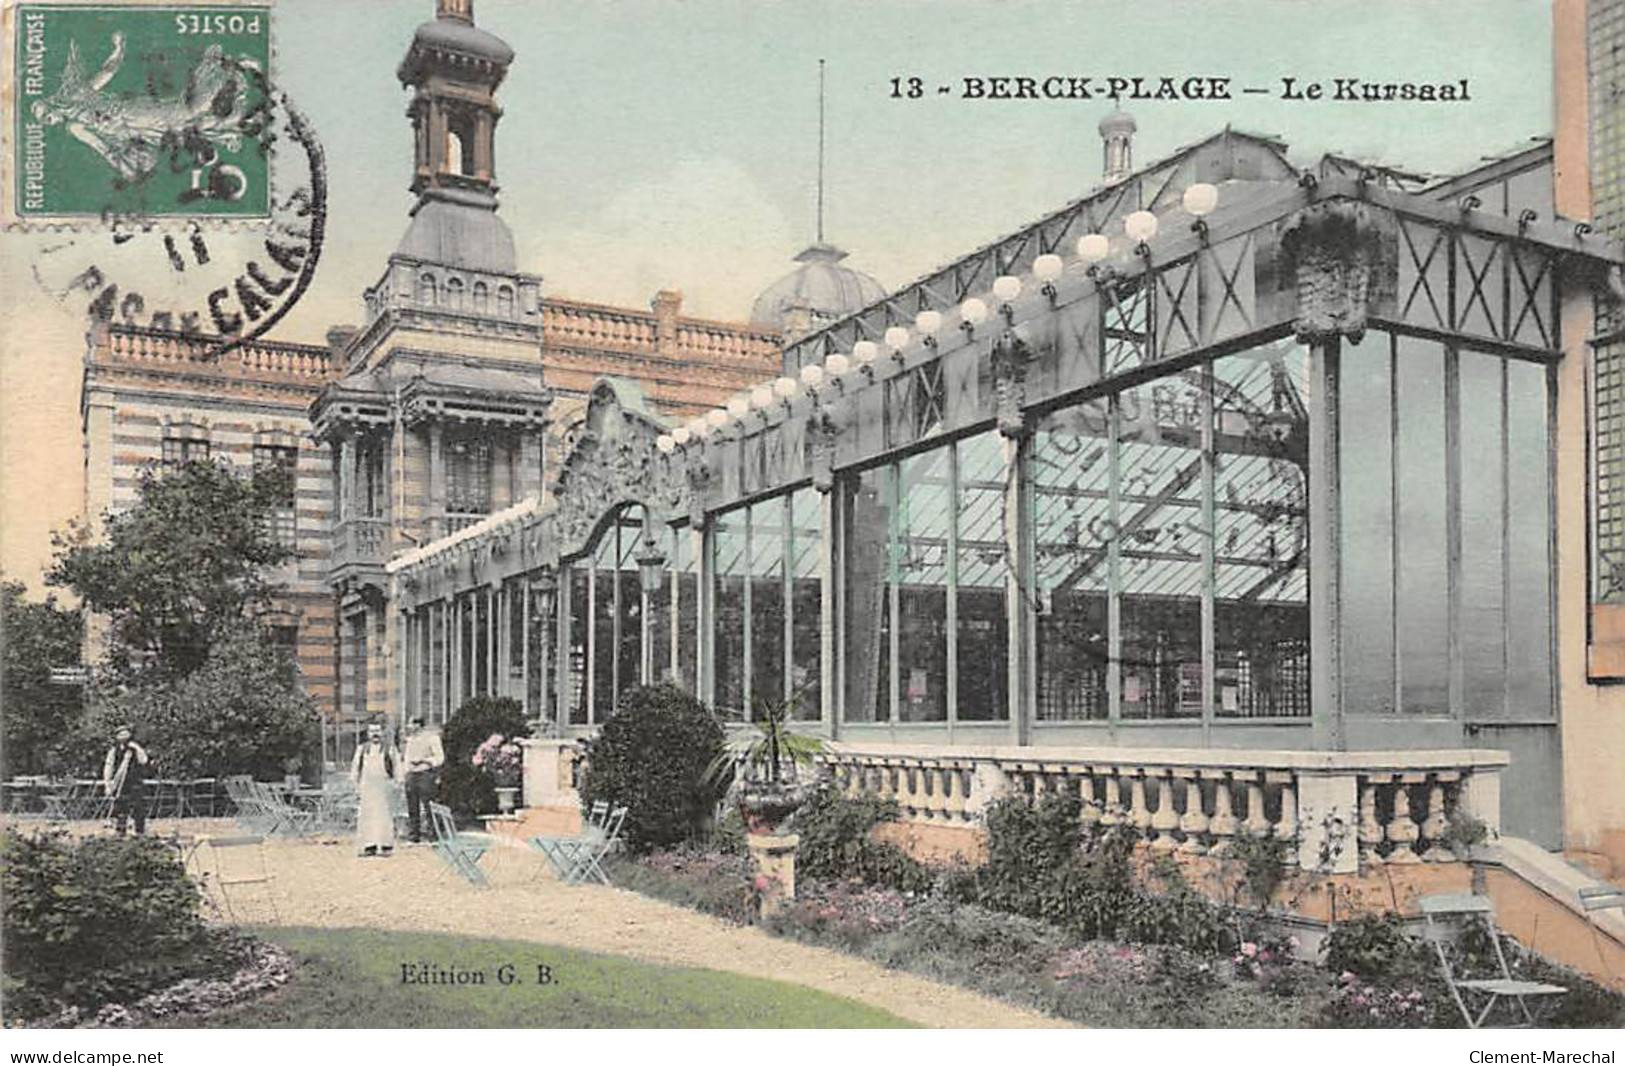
{"x":614,"y":462}
{"x":1333,"y":254}
{"x":1009,"y":361}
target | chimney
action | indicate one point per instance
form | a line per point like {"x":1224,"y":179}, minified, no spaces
{"x":666,"y":304}
{"x":1117,"y":140}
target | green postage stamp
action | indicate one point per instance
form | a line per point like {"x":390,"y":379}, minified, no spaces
{"x":137,"y":110}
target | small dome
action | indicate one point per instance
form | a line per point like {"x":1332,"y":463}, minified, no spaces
{"x":1117,"y":122}
{"x":820,"y":287}
{"x":455,"y":35}
{"x":459,"y":235}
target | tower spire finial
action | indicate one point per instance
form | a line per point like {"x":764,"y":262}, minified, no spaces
{"x":820,"y":151}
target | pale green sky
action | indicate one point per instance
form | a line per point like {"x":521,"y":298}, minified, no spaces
{"x":656,"y":143}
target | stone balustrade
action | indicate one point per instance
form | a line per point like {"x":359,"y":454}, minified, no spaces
{"x":1335,"y":811}
{"x":283,"y":360}
{"x":591,"y":326}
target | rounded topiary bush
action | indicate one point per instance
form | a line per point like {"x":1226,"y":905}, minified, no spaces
{"x":464,"y":787}
{"x":651,"y":756}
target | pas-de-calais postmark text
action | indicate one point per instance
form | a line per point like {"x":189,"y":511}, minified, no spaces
{"x":188,"y":192}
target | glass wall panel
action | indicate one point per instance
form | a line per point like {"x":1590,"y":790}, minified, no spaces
{"x":468,"y":650}
{"x":1421,"y":580}
{"x":628,"y":606}
{"x":768,"y":520}
{"x":578,"y":588}
{"x":728,"y":636}
{"x":437,"y":661}
{"x":1069,"y":476}
{"x":1159,"y":490}
{"x":919,"y":566}
{"x":866,"y":508}
{"x":606,"y":593}
{"x":807,"y":603}
{"x":686,"y":568}
{"x":1483,"y":558}
{"x":1365,"y":474}
{"x":982,"y":568}
{"x":1529,"y":560}
{"x":1261,"y":533}
{"x":514,"y":598}
{"x":662,"y":614}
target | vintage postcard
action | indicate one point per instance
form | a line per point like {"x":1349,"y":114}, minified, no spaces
{"x":1040,"y":514}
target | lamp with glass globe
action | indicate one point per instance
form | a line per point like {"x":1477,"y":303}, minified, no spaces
{"x":927,"y":323}
{"x":1047,"y":269}
{"x":972,"y":313}
{"x":1199,"y":201}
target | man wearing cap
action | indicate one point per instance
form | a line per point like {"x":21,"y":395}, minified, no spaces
{"x":124,"y":779}
{"x":424,"y":756}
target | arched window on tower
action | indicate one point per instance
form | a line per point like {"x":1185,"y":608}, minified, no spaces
{"x":428,"y":292}
{"x":460,"y":144}
{"x":482,"y":298}
{"x":454,"y":293}
{"x":505,"y":300}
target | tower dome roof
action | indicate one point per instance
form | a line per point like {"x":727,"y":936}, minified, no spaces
{"x":464,"y":38}
{"x":1118,"y":121}
{"x":820,"y":287}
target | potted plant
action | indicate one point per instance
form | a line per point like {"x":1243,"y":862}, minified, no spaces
{"x":290,"y":772}
{"x":771,"y":766}
{"x":504,"y":760}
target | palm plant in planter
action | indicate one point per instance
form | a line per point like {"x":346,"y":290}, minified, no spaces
{"x":772,"y":767}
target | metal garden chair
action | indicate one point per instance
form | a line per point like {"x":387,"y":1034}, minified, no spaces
{"x":550,"y":846}
{"x":459,"y":851}
{"x":1449,"y":919}
{"x":577,"y":858}
{"x":211,"y":856}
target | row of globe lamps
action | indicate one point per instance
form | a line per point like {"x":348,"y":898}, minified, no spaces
{"x":1140,"y":227}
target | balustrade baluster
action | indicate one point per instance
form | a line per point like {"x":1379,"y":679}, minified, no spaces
{"x":1286,"y":827}
{"x":1194,"y":822}
{"x":1257,"y":822}
{"x":1164,"y":821}
{"x":1402,"y":828}
{"x":1434,"y":825}
{"x":1223,"y":825}
{"x":1370,"y":832}
{"x":1088,"y":809}
{"x":1111,"y":811}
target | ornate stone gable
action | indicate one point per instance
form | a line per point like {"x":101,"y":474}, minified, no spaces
{"x":615,"y":462}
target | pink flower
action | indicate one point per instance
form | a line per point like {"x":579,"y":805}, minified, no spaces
{"x":1346,"y":977}
{"x":1249,"y":949}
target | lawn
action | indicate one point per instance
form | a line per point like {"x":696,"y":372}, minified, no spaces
{"x":353,"y":978}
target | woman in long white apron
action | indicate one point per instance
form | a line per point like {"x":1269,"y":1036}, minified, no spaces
{"x":374,"y":772}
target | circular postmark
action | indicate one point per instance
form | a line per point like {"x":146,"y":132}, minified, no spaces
{"x":213,"y":196}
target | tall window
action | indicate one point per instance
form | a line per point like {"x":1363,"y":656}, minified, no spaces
{"x":926,"y":586}
{"x":468,"y":476}
{"x":186,"y":444}
{"x":1169,"y":517}
{"x":284,"y":461}
{"x":768,"y":599}
{"x":1436,"y":523}
{"x":607,"y":608}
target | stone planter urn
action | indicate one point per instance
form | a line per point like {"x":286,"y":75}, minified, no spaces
{"x":506,"y":796}
{"x":765,"y":805}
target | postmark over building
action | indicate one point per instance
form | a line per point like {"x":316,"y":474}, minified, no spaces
{"x":147,"y":110}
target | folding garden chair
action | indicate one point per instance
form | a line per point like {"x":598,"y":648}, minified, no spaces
{"x":283,"y":816}
{"x":214,"y":856}
{"x":1451,"y":922}
{"x":459,"y":851}
{"x":577,"y":858}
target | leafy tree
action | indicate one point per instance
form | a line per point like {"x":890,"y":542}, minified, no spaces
{"x":240,"y":712}
{"x":184,"y":565}
{"x":34,"y":714}
{"x":653,"y":756}
{"x":467,"y":789}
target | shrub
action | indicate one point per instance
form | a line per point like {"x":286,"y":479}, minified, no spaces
{"x":101,"y":921}
{"x":1376,"y":947}
{"x":651,"y":756}
{"x":836,"y":842}
{"x":465,"y":788}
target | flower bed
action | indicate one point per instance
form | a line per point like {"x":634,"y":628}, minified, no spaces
{"x":1056,"y":922}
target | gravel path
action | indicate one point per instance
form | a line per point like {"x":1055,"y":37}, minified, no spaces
{"x":326,"y":885}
